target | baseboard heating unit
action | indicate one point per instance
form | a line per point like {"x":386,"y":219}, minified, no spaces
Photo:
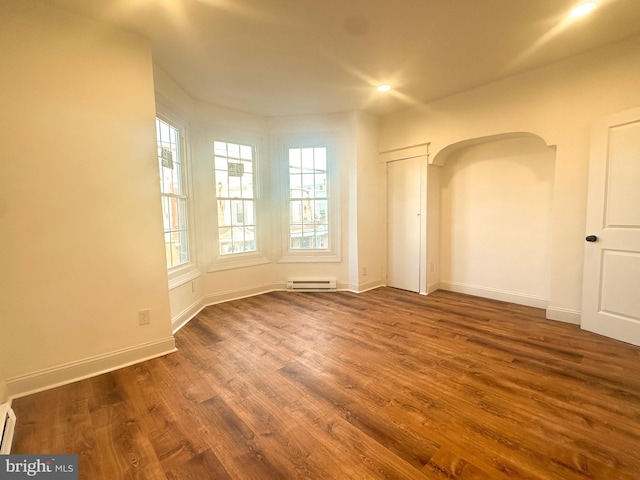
{"x":8,"y":419}
{"x":311,"y":286}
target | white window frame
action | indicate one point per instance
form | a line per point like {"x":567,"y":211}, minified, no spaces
{"x":240,"y":259}
{"x":188,"y":271}
{"x":333,"y":253}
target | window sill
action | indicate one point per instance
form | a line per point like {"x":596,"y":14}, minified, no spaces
{"x":310,"y":257}
{"x":183,"y":276}
{"x":233,"y":263}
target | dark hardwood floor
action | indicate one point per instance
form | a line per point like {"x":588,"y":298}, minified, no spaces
{"x":385,"y":384}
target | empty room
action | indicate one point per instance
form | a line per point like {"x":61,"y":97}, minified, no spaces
{"x":303,"y":239}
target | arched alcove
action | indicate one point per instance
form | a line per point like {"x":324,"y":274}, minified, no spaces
{"x":496,"y":198}
{"x":440,"y":158}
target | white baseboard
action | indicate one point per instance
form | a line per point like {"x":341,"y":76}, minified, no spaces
{"x":433,"y":287}
{"x":362,"y":287}
{"x":187,"y":314}
{"x":564,"y":315}
{"x":45,"y":379}
{"x":230,"y":295}
{"x":190,"y":312}
{"x":495,"y":294}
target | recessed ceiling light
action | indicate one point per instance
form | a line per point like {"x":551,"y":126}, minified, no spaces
{"x":384,"y":88}
{"x":583,"y":9}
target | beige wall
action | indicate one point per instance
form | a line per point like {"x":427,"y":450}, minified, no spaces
{"x":495,"y":235}
{"x":80,"y":217}
{"x":371,"y":204}
{"x":558,"y":103}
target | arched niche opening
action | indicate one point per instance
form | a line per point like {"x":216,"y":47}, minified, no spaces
{"x":496,"y":197}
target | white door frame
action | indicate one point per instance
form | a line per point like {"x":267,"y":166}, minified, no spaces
{"x":404,"y":153}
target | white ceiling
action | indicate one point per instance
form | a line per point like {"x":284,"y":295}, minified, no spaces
{"x":283,"y":57}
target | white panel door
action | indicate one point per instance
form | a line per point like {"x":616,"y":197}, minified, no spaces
{"x":611,"y":289}
{"x":403,"y":224}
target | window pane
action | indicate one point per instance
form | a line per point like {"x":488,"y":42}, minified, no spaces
{"x":220,"y":148}
{"x":181,"y":213}
{"x":164,"y":132}
{"x":225,"y":240}
{"x":172,"y":187}
{"x":184,"y":246}
{"x":246,"y":152}
{"x":224,"y":213}
{"x":249,"y":239}
{"x":237,"y":215}
{"x":296,"y":236}
{"x":167,"y":248}
{"x":320,"y":156}
{"x":308,"y":186}
{"x":176,"y":176}
{"x":295,"y":212}
{"x":308,"y":198}
{"x":320,"y":211}
{"x":167,"y":210}
{"x":247,"y":186}
{"x":307,"y":160}
{"x":295,"y":186}
{"x":294,"y":160}
{"x":234,"y":169}
{"x":220,"y":163}
{"x":234,"y":187}
{"x":249,"y":213}
{"x":321,"y":185}
{"x":308,"y":236}
{"x":222,"y":184}
{"x":233,"y":150}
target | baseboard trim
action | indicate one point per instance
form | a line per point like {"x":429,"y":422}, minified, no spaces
{"x":231,"y":295}
{"x":566,"y":315}
{"x":433,"y":287}
{"x":48,"y":378}
{"x":186,"y":315}
{"x":495,"y":294}
{"x":361,"y":288}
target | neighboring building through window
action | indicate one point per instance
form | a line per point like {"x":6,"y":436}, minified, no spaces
{"x":308,"y":199}
{"x":173,"y":192}
{"x":235,"y":197}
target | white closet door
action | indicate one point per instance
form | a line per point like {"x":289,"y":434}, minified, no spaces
{"x":403,"y":224}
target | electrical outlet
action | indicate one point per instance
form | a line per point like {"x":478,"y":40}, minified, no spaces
{"x":144,"y":317}
{"x":364,"y":271}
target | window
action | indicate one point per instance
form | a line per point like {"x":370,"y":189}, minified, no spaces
{"x":308,"y":199}
{"x":235,"y":197}
{"x":173,"y":192}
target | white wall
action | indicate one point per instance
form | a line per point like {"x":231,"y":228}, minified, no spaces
{"x":433,"y":208}
{"x":495,"y":237}
{"x":80,"y":214}
{"x":371,"y":204}
{"x":558,"y":103}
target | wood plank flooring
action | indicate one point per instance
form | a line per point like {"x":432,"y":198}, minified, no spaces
{"x":381,"y":385}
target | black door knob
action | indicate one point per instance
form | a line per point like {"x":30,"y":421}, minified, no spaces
{"x":591,"y":238}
